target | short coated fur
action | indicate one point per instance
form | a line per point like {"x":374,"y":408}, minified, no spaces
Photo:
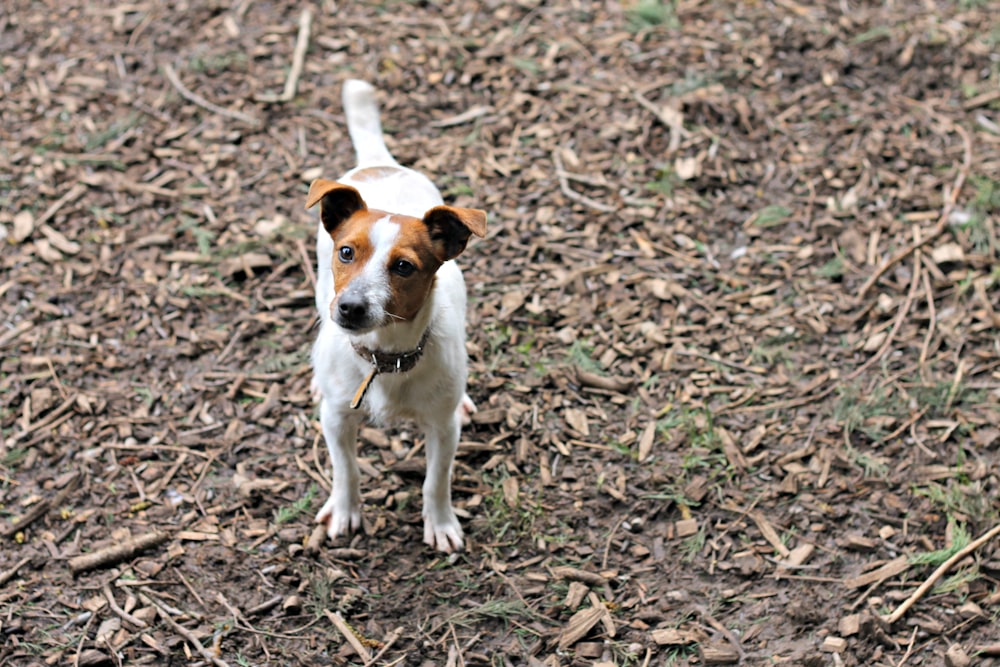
{"x":388,"y":290}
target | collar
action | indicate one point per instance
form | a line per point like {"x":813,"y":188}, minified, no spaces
{"x":386,"y":362}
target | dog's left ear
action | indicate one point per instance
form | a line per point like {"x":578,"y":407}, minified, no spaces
{"x":450,"y":229}
{"x":339,"y":202}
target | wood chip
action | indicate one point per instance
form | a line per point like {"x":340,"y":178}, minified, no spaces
{"x":893,"y":568}
{"x":579,"y":625}
{"x":833,"y":644}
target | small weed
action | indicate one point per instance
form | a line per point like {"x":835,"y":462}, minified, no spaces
{"x":581,"y":355}
{"x":693,"y":545}
{"x":832,"y":270}
{"x":960,"y":539}
{"x":116,"y":129}
{"x":204,"y":238}
{"x":13,"y":457}
{"x":942,"y":396}
{"x":677,"y":655}
{"x":983,"y":209}
{"x":218,"y":63}
{"x":878,"y":32}
{"x":857,"y":410}
{"x":622,"y":653}
{"x":146,"y":394}
{"x":526,"y":65}
{"x":504,"y":520}
{"x":666,"y":182}
{"x":286,"y":514}
{"x":771,"y":216}
{"x":500,"y":610}
{"x":959,"y":496}
{"x":278,"y":363}
{"x":651,"y":13}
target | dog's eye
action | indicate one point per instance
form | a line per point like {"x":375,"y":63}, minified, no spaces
{"x":403,"y":268}
{"x":346,"y":254}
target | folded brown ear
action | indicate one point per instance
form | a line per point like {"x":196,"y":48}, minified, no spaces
{"x":338,"y":202}
{"x":450,"y":229}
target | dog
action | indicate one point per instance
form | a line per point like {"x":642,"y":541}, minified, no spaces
{"x":391,"y":302}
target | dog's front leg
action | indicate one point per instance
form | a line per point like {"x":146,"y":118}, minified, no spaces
{"x":342,"y":511}
{"x":441,"y":528}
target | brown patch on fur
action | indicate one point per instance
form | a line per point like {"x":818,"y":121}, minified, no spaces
{"x":354,"y":233}
{"x":410,"y":293}
{"x":374,"y":173}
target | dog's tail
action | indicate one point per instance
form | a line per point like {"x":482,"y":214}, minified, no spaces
{"x":363,"y":123}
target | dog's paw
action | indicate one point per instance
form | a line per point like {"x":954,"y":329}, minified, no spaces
{"x":444,"y":535}
{"x":465,"y":410}
{"x":340,"y":517}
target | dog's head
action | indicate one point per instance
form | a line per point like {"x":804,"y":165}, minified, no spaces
{"x":384,"y":263}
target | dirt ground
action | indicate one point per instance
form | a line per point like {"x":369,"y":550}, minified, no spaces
{"x":733,"y":334}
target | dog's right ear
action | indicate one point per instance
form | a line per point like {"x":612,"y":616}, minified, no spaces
{"x":337,"y":201}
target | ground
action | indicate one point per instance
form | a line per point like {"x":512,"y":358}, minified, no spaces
{"x":732,"y":334}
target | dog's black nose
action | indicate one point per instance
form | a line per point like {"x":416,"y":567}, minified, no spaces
{"x":352,"y":311}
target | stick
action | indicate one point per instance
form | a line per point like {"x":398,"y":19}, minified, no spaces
{"x":72,"y":195}
{"x":348,"y":632}
{"x":940,"y":572}
{"x":125,"y":616}
{"x":184,"y":632}
{"x":117,"y":552}
{"x":897,"y":323}
{"x":201,"y":101}
{"x":390,"y":640}
{"x":909,"y":649}
{"x":45,"y":421}
{"x":674,"y":123}
{"x":298,"y":60}
{"x":7,"y":575}
{"x":573,"y":194}
{"x":938,"y":229}
{"x":41,"y":508}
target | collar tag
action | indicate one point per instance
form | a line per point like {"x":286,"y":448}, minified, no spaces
{"x":359,"y":395}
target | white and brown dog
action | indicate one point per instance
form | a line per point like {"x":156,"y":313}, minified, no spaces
{"x":391,"y":303}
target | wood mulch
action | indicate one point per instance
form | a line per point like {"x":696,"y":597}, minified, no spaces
{"x":733,"y":334}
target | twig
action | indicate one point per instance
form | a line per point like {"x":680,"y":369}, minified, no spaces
{"x":937,"y":230}
{"x":897,"y":323}
{"x":723,"y":630}
{"x":41,"y":508}
{"x":7,"y":575}
{"x":307,"y":264}
{"x":45,"y":421}
{"x":674,"y":122}
{"x":464,"y":117}
{"x":201,"y":101}
{"x":73,"y":194}
{"x":124,"y":615}
{"x":607,"y":544}
{"x":389,"y":641}
{"x":349,"y":634}
{"x":909,"y":649}
{"x":719,"y":360}
{"x":573,"y":194}
{"x":298,"y":60}
{"x":117,"y":552}
{"x":940,"y":572}
{"x":931,"y":324}
{"x":184,"y":632}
